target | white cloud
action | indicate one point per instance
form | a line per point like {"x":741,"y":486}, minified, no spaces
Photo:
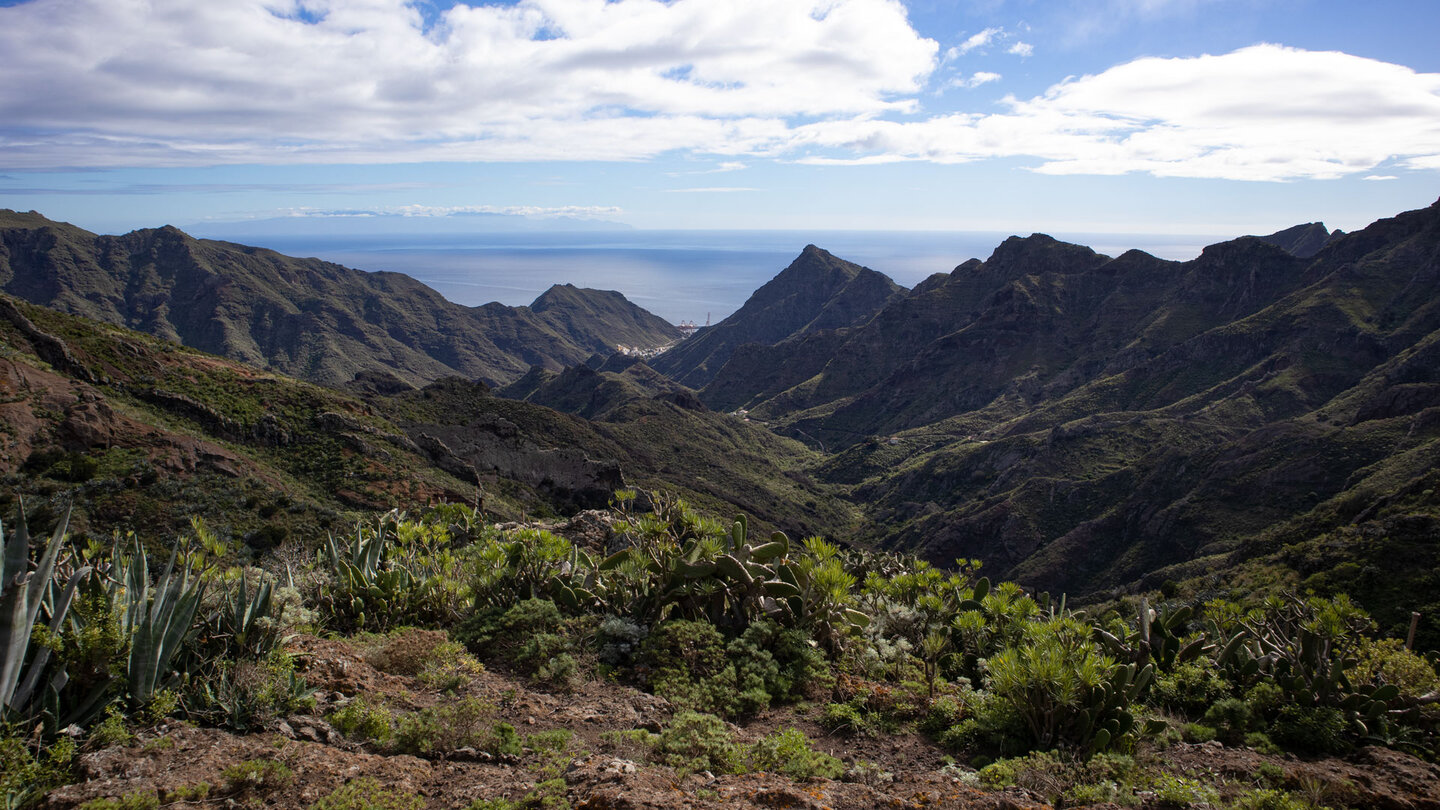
{"x":1381,"y":177}
{"x":1260,"y":113}
{"x":156,"y":82}
{"x":975,"y":80}
{"x":1022,"y":49}
{"x":175,"y":82}
{"x":979,"y":40}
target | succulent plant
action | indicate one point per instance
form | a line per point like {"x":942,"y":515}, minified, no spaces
{"x":24,"y":592}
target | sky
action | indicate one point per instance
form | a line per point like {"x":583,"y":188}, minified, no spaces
{"x":1098,"y":116}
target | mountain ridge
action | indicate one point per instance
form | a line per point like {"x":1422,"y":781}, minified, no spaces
{"x":315,"y":319}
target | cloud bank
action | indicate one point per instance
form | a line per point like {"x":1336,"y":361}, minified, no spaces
{"x":103,"y":83}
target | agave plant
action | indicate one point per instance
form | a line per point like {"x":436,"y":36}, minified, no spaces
{"x":24,"y":593}
{"x":247,"y":623}
{"x":159,"y":619}
{"x":396,"y":570}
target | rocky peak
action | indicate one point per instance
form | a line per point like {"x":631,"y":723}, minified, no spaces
{"x":1039,"y":253}
{"x":1301,"y":241}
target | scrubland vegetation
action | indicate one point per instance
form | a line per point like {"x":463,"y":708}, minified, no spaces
{"x":106,"y":639}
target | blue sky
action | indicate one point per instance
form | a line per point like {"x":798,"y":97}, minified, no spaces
{"x":1121,"y":116}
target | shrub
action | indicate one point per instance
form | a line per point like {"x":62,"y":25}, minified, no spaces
{"x":1261,"y":742}
{"x":1387,"y":661}
{"x":257,"y":775}
{"x":693,"y":666}
{"x":407,"y":652}
{"x":26,"y":776}
{"x":1062,"y":780}
{"x":788,"y":751}
{"x":530,"y":636}
{"x":1231,"y":718}
{"x":361,"y":719}
{"x":1198,"y":733}
{"x":1189,"y":688}
{"x":850,"y":718}
{"x":504,"y":741}
{"x":445,"y":727}
{"x":1183,"y":791}
{"x":449,"y":667}
{"x":1317,"y":729}
{"x":992,"y":726}
{"x":1269,"y":799}
{"x":246,"y":695}
{"x":110,"y":731}
{"x":943,"y":713}
{"x":619,"y":641}
{"x":699,"y":742}
{"x":1265,"y":700}
{"x":1055,"y":681}
{"x":554,"y":740}
{"x":366,"y":793}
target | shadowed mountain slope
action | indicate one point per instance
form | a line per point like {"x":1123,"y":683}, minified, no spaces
{"x":305,"y":317}
{"x":134,"y":430}
{"x":816,"y":292}
{"x":1082,"y":423}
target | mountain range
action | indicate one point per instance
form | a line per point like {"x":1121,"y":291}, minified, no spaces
{"x":304,"y":317}
{"x":1268,"y":411}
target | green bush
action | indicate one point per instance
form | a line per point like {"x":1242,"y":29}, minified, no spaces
{"x":531,"y":637}
{"x":1231,"y":718}
{"x":257,"y":775}
{"x":1316,"y":729}
{"x":442,"y":728}
{"x":449,"y":667}
{"x":26,"y":776}
{"x":1189,"y":688}
{"x":503,"y":740}
{"x":1269,"y":799}
{"x":366,"y":793}
{"x":699,"y":742}
{"x":943,"y":713}
{"x":1265,"y":700}
{"x":364,"y":720}
{"x":1183,"y":791}
{"x":991,"y":726}
{"x":788,"y":751}
{"x":1261,"y":742}
{"x":1198,"y":733}
{"x":850,"y":718}
{"x":246,"y":695}
{"x":693,"y":666}
{"x":554,"y":740}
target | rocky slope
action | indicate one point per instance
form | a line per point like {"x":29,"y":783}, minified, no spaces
{"x":305,"y":317}
{"x":816,"y":292}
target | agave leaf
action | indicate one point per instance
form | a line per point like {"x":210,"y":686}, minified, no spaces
{"x":42,"y":656}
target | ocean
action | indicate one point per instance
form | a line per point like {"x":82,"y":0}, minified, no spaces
{"x":694,"y":276}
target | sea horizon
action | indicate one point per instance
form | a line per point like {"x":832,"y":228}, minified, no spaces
{"x":680,"y":275}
